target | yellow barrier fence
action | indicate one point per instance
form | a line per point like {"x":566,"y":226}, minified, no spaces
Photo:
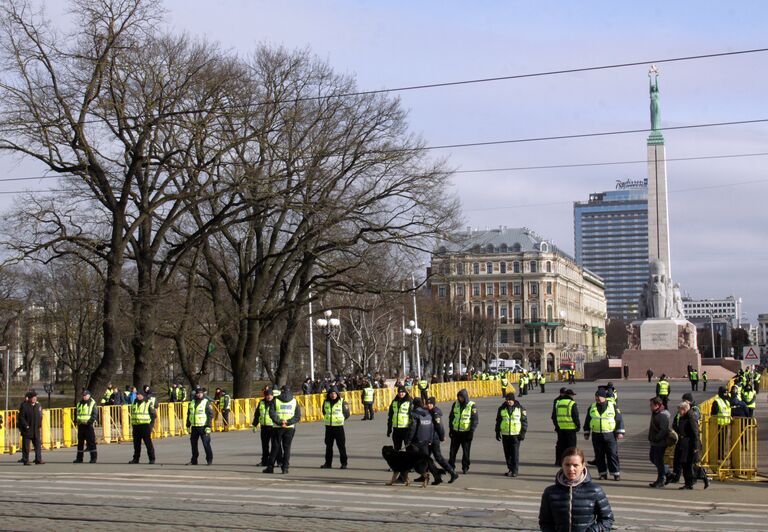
{"x":114,"y":425}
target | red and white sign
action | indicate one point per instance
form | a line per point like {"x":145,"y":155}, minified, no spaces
{"x":750,"y":356}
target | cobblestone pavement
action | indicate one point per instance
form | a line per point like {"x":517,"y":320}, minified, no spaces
{"x":233,"y":493}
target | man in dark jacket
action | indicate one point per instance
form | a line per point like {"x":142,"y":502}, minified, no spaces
{"x":658,"y":432}
{"x":437,"y":422}
{"x":511,"y":426}
{"x":688,"y":446}
{"x":606,"y":426}
{"x":86,"y":414}
{"x":399,"y":418}
{"x":199,"y":423}
{"x":30,"y":423}
{"x":285,"y":413}
{"x":261,"y":417}
{"x":462,"y":423}
{"x":335,"y":412}
{"x":143,"y":416}
{"x":421,"y":435}
{"x":565,"y":418}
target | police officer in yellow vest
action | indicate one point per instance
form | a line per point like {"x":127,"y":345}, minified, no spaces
{"x":86,"y":413}
{"x":399,"y":418}
{"x":106,"y":399}
{"x":504,"y":385}
{"x":143,"y":416}
{"x":424,"y":389}
{"x":663,"y":389}
{"x":366,"y":397}
{"x":199,"y":422}
{"x":335,"y":412}
{"x":749,"y":396}
{"x":285,"y":413}
{"x":565,"y":417}
{"x":225,"y":403}
{"x":523,"y":382}
{"x":694,"y":377}
{"x":542,"y":382}
{"x":721,"y":411}
{"x":463,"y":422}
{"x":261,"y":417}
{"x":605,"y":424}
{"x":511,"y":426}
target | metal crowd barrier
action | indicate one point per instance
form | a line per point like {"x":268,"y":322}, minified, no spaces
{"x":114,"y":422}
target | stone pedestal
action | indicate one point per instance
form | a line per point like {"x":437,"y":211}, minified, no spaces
{"x":664,"y":345}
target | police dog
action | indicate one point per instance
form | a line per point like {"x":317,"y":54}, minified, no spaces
{"x":402,"y":462}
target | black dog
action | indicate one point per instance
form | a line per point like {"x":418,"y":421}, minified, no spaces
{"x":402,"y":462}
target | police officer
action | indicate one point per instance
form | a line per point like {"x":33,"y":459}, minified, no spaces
{"x":143,"y":416}
{"x":261,"y":417}
{"x":662,"y":389}
{"x":437,"y":422}
{"x":106,"y":398}
{"x":523,"y":383}
{"x":423,"y":389}
{"x":225,"y":403}
{"x":721,"y":411}
{"x":542,"y":382}
{"x":421,"y":434}
{"x":399,"y":418}
{"x":504,"y":384}
{"x":511,"y":425}
{"x":694,"y":380}
{"x":199,"y":422}
{"x":605,"y":424}
{"x":565,"y":417}
{"x":335,"y":412}
{"x":366,"y":396}
{"x":285,"y":413}
{"x":749,"y":397}
{"x":463,"y":422}
{"x":704,"y":379}
{"x":149,"y":396}
{"x":86,"y":413}
{"x":611,"y":394}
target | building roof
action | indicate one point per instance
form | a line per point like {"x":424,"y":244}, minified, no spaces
{"x":501,"y":240}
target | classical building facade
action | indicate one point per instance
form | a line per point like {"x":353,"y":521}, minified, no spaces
{"x":548,"y":309}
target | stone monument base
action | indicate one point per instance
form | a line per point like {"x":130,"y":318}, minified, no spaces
{"x":673,"y":362}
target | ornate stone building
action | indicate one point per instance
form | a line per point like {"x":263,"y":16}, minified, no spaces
{"x":549,"y":309}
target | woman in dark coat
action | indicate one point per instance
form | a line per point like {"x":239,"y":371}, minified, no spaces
{"x":688,"y":446}
{"x":574,"y":503}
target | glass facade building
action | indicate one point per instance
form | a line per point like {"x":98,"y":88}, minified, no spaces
{"x":611,"y":239}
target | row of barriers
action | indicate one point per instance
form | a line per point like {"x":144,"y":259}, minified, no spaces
{"x":60,"y":430}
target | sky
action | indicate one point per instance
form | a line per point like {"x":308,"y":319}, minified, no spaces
{"x":718,"y":219}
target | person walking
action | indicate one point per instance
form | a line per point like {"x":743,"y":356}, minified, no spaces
{"x":437,"y":422}
{"x":285,"y":413}
{"x":335,"y":412}
{"x":421,"y":434}
{"x":143,"y":416}
{"x":399,"y":418}
{"x":199,"y":423}
{"x":261,"y":417}
{"x":606,"y":426}
{"x":86,"y":415}
{"x":659,"y":435}
{"x":694,"y":380}
{"x":704,"y":379}
{"x":511,"y":426}
{"x":366,"y":396}
{"x":663,"y":389}
{"x":542,"y":382}
{"x":649,"y":374}
{"x":30,"y":423}
{"x":504,"y":384}
{"x":574,"y":502}
{"x":225,"y":404}
{"x":689,"y":446}
{"x":565,"y":417}
{"x":523,"y":382}
{"x":463,"y":422}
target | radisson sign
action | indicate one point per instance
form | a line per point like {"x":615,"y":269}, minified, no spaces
{"x":631,"y":183}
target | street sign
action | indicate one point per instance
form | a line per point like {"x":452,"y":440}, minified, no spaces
{"x":751,"y":356}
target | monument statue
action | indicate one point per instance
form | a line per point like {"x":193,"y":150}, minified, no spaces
{"x":660,"y":297}
{"x":653,"y":76}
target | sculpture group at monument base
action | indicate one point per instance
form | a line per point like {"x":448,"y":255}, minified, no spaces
{"x":672,"y":362}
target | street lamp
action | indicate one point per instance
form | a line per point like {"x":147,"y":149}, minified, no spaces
{"x":328,"y":324}
{"x":48,"y":387}
{"x":413,"y":331}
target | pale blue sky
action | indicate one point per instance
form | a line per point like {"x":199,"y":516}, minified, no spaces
{"x":719,"y":243}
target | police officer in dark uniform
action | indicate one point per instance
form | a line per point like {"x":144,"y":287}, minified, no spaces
{"x":285,"y":413}
{"x":199,"y":422}
{"x":437,"y":422}
{"x":143,"y":416}
{"x":605,"y":424}
{"x":399,"y":418}
{"x":463,"y":421}
{"x":335,"y":412}
{"x":86,"y":413}
{"x":565,"y":418}
{"x":421,"y":435}
{"x":511,"y":426}
{"x":261,"y":417}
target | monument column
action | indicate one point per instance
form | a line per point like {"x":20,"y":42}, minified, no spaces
{"x":658,"y":208}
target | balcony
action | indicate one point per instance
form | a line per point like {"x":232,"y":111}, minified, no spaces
{"x":541,"y":322}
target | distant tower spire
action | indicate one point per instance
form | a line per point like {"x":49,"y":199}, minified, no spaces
{"x":655,"y":137}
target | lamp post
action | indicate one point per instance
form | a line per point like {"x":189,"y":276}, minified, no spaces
{"x":413,"y":331}
{"x":328,"y":324}
{"x":7,"y":352}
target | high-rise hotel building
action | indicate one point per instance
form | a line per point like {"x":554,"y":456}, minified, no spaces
{"x":611,"y":239}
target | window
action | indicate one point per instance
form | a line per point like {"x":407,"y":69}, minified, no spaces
{"x":517,"y":314}
{"x":503,"y":336}
{"x":549,"y":266}
{"x":534,"y":313}
{"x":516,"y":267}
{"x":516,"y":288}
{"x":534,"y":268}
{"x":489,"y":311}
{"x":441,"y":291}
{"x":549,"y":288}
{"x":503,"y":311}
{"x":460,"y":268}
{"x":477,"y":311}
{"x":534,"y":288}
{"x":503,"y":267}
{"x":476,"y":268}
{"x":476,"y":289}
{"x":460,"y":290}
{"x":517,"y":336}
{"x":551,"y":336}
{"x":550,"y":314}
{"x":503,"y":289}
{"x":489,"y":289}
{"x":488,"y":267}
